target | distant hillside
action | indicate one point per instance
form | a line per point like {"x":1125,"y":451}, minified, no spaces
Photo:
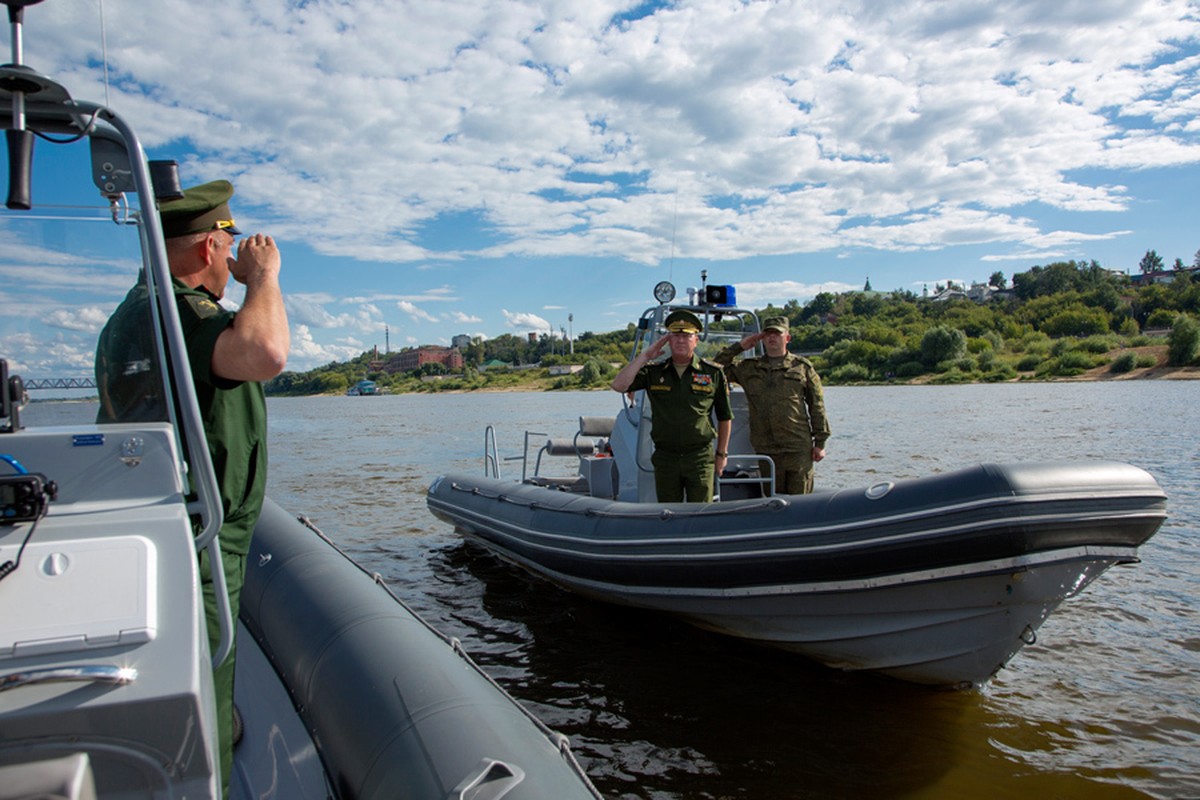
{"x":1065,"y":320}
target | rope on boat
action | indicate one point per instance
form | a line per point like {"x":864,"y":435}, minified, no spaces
{"x":631,"y":511}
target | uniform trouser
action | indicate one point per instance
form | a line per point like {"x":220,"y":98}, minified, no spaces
{"x":679,"y":474}
{"x":235,"y":570}
{"x":793,"y":472}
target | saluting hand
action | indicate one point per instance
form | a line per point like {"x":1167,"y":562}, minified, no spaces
{"x":751,"y":340}
{"x":653,"y":350}
{"x":257,"y":258}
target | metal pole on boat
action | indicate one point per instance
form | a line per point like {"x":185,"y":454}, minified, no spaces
{"x":20,"y":141}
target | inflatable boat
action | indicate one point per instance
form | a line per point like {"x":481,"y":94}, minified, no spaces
{"x":106,"y":687}
{"x":938,"y":580}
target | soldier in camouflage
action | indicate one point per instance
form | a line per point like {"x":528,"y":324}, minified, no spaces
{"x":787,"y":404}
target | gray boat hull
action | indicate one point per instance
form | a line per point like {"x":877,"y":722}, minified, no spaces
{"x":938,"y":580}
{"x":392,"y":708}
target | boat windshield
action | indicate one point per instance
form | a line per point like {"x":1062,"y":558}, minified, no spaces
{"x":68,"y":264}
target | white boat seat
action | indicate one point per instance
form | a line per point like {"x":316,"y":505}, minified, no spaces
{"x":582,"y":444}
{"x":596,"y":426}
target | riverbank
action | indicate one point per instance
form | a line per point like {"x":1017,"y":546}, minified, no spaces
{"x":1160,"y":370}
{"x":532,"y":381}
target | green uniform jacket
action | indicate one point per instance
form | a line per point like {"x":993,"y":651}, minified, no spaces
{"x":235,"y":418}
{"x":682,"y":405}
{"x":234,"y":413}
{"x":787,"y":403}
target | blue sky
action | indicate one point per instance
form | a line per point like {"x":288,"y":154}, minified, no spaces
{"x":482,"y":167}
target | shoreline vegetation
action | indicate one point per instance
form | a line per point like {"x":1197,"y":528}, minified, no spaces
{"x":1068,"y":321}
{"x":534,"y":382}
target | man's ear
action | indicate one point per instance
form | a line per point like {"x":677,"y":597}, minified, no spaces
{"x":209,"y":245}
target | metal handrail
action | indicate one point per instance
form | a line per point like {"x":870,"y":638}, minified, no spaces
{"x":491,"y":459}
{"x":88,"y":673}
{"x":767,"y":481}
{"x":201,"y":474}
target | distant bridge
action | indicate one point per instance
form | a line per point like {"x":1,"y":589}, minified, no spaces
{"x":60,"y":383}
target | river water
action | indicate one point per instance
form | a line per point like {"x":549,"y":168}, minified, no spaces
{"x":1104,"y":705}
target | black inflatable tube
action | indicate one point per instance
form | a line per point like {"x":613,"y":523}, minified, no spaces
{"x":395,"y":711}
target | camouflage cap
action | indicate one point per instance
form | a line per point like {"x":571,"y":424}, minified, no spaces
{"x":202,"y":208}
{"x":777,"y":324}
{"x":682,"y":322}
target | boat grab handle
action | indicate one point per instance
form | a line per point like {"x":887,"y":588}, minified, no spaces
{"x":490,"y":780}
{"x":113,"y":675}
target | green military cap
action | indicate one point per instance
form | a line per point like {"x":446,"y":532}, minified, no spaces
{"x":778,"y":324}
{"x":202,"y":208}
{"x":682,"y":322}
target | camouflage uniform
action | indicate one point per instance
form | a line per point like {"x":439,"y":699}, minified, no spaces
{"x":787,"y":412}
{"x":683,"y":432}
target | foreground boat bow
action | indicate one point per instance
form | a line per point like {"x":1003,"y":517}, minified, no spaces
{"x":106,"y":676}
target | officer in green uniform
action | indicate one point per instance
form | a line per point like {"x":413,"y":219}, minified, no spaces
{"x":787,"y":405}
{"x":229,"y":353}
{"x":684,"y":392}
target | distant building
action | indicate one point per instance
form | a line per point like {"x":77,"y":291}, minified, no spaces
{"x":980,"y":292}
{"x":461,"y":341}
{"x":1161,"y":276}
{"x":417,"y":357}
{"x":949,"y":293}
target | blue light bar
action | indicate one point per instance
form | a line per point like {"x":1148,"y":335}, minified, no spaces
{"x":720,"y":296}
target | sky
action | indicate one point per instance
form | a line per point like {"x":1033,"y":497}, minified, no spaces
{"x":482,"y":167}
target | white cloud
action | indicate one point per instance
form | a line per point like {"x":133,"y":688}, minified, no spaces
{"x":307,"y":353}
{"x":818,"y":120}
{"x":428,"y":139}
{"x":463,"y":318}
{"x":415,"y":312}
{"x":525,"y":321}
{"x":761,"y":294}
{"x":89,"y":319}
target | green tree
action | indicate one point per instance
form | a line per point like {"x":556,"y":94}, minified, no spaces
{"x":1151,"y":262}
{"x":1183,"y":344}
{"x":331,"y":382}
{"x":941,"y":343}
{"x":1077,"y":322}
{"x":821,"y":304}
{"x":997,"y":280}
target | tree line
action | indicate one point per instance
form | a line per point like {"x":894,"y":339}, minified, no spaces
{"x":1056,"y":320}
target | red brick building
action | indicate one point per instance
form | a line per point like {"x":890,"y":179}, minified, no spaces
{"x":417,"y":357}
